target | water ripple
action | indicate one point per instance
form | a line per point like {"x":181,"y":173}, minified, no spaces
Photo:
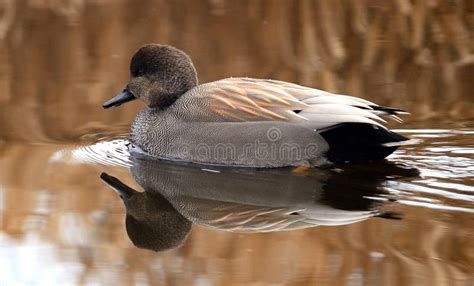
{"x":446,"y":164}
{"x":112,"y":152}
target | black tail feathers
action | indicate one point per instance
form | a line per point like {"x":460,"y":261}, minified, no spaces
{"x":359,"y":142}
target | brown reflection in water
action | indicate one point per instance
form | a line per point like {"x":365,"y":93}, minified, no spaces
{"x":60,"y":60}
{"x":65,"y":204}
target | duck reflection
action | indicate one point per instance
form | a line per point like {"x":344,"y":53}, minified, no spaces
{"x":248,"y":200}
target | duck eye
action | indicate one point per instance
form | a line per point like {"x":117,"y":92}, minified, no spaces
{"x":138,"y":72}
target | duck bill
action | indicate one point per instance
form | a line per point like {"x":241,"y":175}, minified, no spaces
{"x":124,"y":96}
{"x":124,"y":191}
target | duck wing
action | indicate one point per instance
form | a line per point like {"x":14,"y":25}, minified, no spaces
{"x":237,"y":217}
{"x":248,"y":99}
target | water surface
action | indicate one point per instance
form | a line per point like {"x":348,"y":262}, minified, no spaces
{"x":60,"y":222}
{"x":407,"y":221}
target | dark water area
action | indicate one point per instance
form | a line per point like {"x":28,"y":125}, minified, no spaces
{"x":406,"y":221}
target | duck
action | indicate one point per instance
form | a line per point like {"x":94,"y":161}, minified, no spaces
{"x":248,"y":122}
{"x":248,"y":200}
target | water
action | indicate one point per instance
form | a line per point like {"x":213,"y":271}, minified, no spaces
{"x":62,"y":223}
{"x":406,"y":221}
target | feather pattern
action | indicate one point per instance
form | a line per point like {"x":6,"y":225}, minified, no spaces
{"x":247,"y":218}
{"x":247,"y":99}
{"x":241,"y":114}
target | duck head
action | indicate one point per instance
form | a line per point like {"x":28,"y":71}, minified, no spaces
{"x":151,"y":221}
{"x":159,"y":74}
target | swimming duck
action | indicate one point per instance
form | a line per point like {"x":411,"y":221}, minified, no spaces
{"x":247,"y":200}
{"x":247,"y":122}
